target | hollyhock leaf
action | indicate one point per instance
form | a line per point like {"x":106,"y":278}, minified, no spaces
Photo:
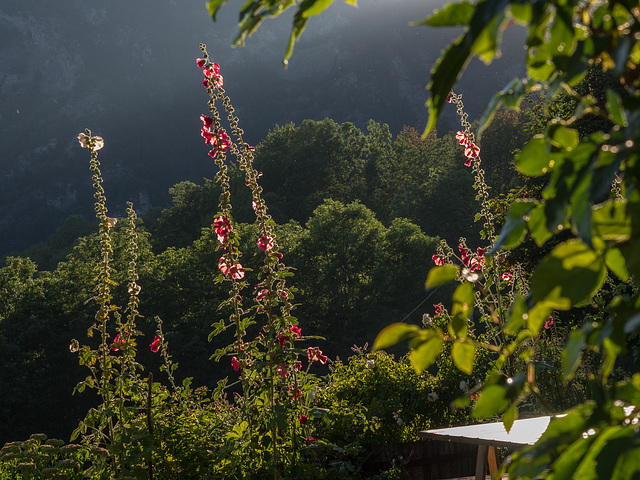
{"x":442,"y":274}
{"x":314,"y":7}
{"x":615,"y":261}
{"x":463,"y":356}
{"x":537,"y":316}
{"x":451,"y":15}
{"x":515,"y":226}
{"x":538,"y":225}
{"x":518,"y":315}
{"x":214,"y":6}
{"x":393,"y":334}
{"x":492,"y":401}
{"x":563,"y":137}
{"x":510,"y":416}
{"x":533,"y":160}
{"x":568,"y":276}
{"x":422,"y":356}
{"x":616,"y":111}
{"x":572,"y":352}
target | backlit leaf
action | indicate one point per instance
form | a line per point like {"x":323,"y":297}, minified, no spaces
{"x":440,"y":275}
{"x":393,"y":334}
{"x":463,"y":356}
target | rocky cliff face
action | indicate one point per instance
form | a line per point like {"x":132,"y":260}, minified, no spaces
{"x":126,"y":70}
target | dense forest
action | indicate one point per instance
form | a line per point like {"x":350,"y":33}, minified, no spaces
{"x":359,"y":215}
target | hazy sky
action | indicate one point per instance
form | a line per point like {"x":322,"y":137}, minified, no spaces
{"x":126,"y":69}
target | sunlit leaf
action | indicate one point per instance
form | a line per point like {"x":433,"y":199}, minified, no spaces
{"x":568,"y":276}
{"x":452,"y":14}
{"x":441,"y":274}
{"x":393,"y":334}
{"x":424,"y":355}
{"x":463,"y":356}
{"x":615,"y":109}
{"x":510,"y":416}
{"x":492,"y":401}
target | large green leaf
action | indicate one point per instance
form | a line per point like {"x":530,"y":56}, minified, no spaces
{"x":440,"y":275}
{"x":463,"y":354}
{"x":515,"y":225}
{"x":534,"y":159}
{"x":568,"y":276}
{"x":424,"y":354}
{"x":492,"y":401}
{"x":452,"y":14}
{"x":393,"y":334}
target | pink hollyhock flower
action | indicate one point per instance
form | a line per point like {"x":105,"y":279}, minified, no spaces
{"x":471,"y":150}
{"x":315,"y":355}
{"x":548,"y":323}
{"x":200,"y":62}
{"x":249,"y":147}
{"x":206,"y":121}
{"x":480,"y":252}
{"x":254,"y":205}
{"x":464,"y":255}
{"x":302,"y":419}
{"x":296,"y":331}
{"x":506,"y":277}
{"x":207,"y":135}
{"x":295,"y":394}
{"x":262,"y":295}
{"x":468,"y":162}
{"x":116,"y":343}
{"x":222,"y":266}
{"x":236,"y":271}
{"x":299,"y":366}
{"x":155,"y":345}
{"x":449,"y":98}
{"x":462,"y":138}
{"x":278,"y":255}
{"x":282,"y":339}
{"x":265,"y":243}
{"x":282,"y":370}
{"x":438,"y":309}
{"x":211,"y":71}
{"x":222,"y":226}
{"x":235,"y":364}
{"x":437,"y":260}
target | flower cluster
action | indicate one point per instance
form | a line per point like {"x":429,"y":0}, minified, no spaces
{"x":471,"y":150}
{"x":315,"y":355}
{"x":474,"y":262}
{"x":216,"y":137}
{"x":235,"y":271}
{"x":211,"y":73}
{"x":222,"y":227}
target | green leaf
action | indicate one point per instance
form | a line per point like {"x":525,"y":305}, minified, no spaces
{"x":615,"y":261}
{"x":572,"y":352}
{"x":533,"y":160}
{"x":510,"y":416}
{"x":563,"y":137}
{"x":492,"y":401}
{"x":463,"y":303}
{"x":422,"y":356}
{"x":315,"y":7}
{"x":463,"y":356}
{"x":393,"y":334}
{"x":538,"y":225}
{"x":568,"y":276}
{"x":452,"y":14}
{"x":517,"y":316}
{"x":616,"y":111}
{"x":515,"y":225}
{"x":440,"y":275}
{"x":214,"y":6}
{"x":537,"y":316}
{"x":611,"y":221}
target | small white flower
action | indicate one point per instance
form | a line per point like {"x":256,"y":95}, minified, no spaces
{"x":99,"y":143}
{"x":432,"y":397}
{"x":370,"y":363}
{"x":84,"y":140}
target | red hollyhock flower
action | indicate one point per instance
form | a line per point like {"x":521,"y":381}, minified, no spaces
{"x":462,"y":138}
{"x":437,"y":260}
{"x":296,"y":331}
{"x":315,"y":355}
{"x":265,"y":243}
{"x":222,"y":266}
{"x":206,"y":121}
{"x":438,"y":309}
{"x":302,"y":419}
{"x":155,"y":345}
{"x":471,"y":150}
{"x":236,"y":271}
{"x":200,"y":62}
{"x":548,"y":323}
{"x":235,"y":364}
